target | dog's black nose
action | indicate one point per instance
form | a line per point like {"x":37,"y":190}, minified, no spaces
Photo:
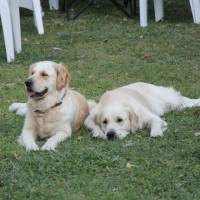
{"x":111,"y":135}
{"x":28,"y":83}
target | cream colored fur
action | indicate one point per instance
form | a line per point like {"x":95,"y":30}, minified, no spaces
{"x":132,"y":107}
{"x":55,"y":123}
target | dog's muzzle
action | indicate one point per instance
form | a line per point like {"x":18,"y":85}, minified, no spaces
{"x":31,"y":92}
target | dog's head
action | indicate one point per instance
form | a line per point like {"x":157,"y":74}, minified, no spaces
{"x":46,"y":77}
{"x":116,"y":120}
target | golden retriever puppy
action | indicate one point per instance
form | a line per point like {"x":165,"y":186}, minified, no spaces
{"x":53,"y":110}
{"x":133,"y":107}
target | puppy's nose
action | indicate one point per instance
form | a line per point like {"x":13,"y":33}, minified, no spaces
{"x":111,"y":135}
{"x":28,"y":83}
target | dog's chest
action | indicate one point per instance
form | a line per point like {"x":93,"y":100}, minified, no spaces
{"x":47,"y":123}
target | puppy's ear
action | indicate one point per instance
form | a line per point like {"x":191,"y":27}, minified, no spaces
{"x":63,"y":76}
{"x":93,"y":119}
{"x":96,"y":120}
{"x":96,"y":115}
{"x":134,"y":121}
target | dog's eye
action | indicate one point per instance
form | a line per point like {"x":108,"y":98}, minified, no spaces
{"x":119,"y":120}
{"x":44,"y":74}
{"x":32,"y":73}
{"x":105,"y":121}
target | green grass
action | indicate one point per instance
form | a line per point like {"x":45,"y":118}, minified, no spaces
{"x":105,"y":50}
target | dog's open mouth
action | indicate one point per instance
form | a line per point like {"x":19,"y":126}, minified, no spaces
{"x":34,"y":94}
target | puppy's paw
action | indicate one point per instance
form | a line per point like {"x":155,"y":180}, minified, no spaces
{"x":97,"y":133}
{"x":31,"y":147}
{"x":159,"y":127}
{"x":21,"y":111}
{"x":122,"y":135}
{"x":156,"y":133}
{"x":49,"y":146}
{"x":15,"y":107}
{"x":164,"y":125}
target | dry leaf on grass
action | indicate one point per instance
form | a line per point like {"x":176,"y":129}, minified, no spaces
{"x":129,"y":165}
{"x":197,"y":134}
{"x":57,"y":49}
{"x":147,"y":56}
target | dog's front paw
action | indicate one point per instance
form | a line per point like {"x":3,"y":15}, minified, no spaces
{"x":31,"y":147}
{"x":156,"y":133}
{"x":164,"y":126}
{"x":21,"y":111}
{"x":49,"y":146}
{"x":97,"y":133}
{"x":158,"y":129}
{"x":18,"y":108}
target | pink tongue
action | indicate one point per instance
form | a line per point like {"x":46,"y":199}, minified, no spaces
{"x":30,"y":93}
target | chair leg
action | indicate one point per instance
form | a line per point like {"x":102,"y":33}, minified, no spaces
{"x":14,"y":7}
{"x":54,"y":4}
{"x":37,"y":10}
{"x":143,"y":13}
{"x":7,"y":30}
{"x":196,"y":9}
{"x":192,"y":9}
{"x":159,"y":10}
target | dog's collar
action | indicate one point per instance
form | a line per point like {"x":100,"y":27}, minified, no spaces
{"x":54,"y":106}
{"x":42,"y":112}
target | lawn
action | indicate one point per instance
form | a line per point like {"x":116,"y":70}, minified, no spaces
{"x":104,"y":50}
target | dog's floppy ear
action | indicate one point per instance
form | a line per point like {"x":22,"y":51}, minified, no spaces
{"x":134,"y":121}
{"x":95,"y":115}
{"x":93,"y":119}
{"x":96,"y":120}
{"x":63,"y":76}
{"x":133,"y":118}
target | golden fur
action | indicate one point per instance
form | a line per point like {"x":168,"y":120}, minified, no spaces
{"x":56,"y":113}
{"x":126,"y":109}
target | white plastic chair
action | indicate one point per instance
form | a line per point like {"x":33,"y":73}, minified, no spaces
{"x":195,"y":8}
{"x":33,"y":5}
{"x":15,"y":18}
{"x":158,"y":9}
{"x":54,"y":4}
{"x":7,"y":30}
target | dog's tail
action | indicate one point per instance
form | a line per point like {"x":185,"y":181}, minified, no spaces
{"x":91,"y":104}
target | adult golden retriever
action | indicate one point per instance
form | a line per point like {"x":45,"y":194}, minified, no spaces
{"x":53,"y":110}
{"x":126,"y":109}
